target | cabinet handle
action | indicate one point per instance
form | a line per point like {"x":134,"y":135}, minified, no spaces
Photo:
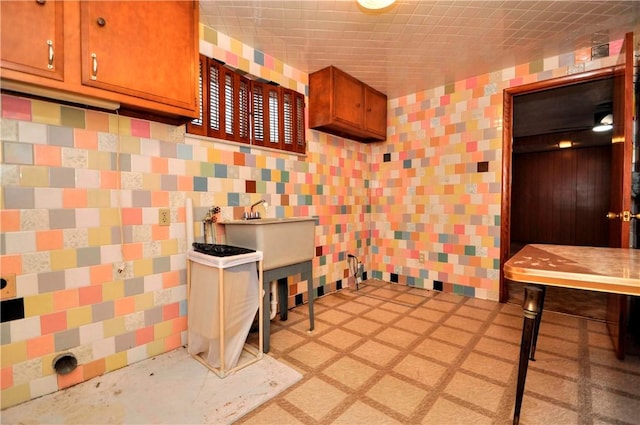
{"x":51,"y":54}
{"x":41,"y":2}
{"x":94,"y":66}
{"x":101,"y":22}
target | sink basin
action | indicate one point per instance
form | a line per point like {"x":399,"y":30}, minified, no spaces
{"x":283,"y":241}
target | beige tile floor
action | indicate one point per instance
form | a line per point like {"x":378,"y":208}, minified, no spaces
{"x":391,"y":354}
{"x":398,"y":355}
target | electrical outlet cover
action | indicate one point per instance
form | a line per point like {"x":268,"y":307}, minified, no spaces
{"x":164,"y":217}
{"x":8,"y":289}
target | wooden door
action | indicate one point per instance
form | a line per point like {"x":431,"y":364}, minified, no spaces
{"x":375,"y":114}
{"x":31,"y":37}
{"x":617,"y":305}
{"x":132,"y":47}
{"x":348,"y":100}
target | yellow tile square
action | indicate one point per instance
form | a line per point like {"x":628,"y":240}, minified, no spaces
{"x":116,"y":361}
{"x":100,"y":236}
{"x":77,"y":317}
{"x":13,"y":353}
{"x":156,"y":347}
{"x":100,"y":160}
{"x":98,"y":198}
{"x":63,"y":259}
{"x":169,"y":247}
{"x":38,"y":305}
{"x":113,"y":290}
{"x":163,"y":329}
{"x":113,"y":327}
{"x":34,"y":176}
{"x":45,"y":112}
{"x":144,"y":301}
{"x":129,"y":144}
{"x":15,"y":395}
{"x":109,"y":217}
{"x":143,"y":267}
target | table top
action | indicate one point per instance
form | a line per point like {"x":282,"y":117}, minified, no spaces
{"x":613,"y":270}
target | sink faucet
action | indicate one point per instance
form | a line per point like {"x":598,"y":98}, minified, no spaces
{"x":262,"y":201}
{"x":255,"y":214}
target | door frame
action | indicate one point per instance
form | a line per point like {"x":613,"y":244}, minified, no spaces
{"x":507,"y":152}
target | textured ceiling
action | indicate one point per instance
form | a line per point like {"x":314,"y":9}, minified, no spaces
{"x":416,"y":45}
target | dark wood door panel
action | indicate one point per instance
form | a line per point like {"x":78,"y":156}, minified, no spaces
{"x":561,"y":197}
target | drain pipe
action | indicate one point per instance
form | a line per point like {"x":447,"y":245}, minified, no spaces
{"x":274,"y":299}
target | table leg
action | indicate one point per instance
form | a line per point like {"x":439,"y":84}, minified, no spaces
{"x":536,"y":327}
{"x":531,"y":307}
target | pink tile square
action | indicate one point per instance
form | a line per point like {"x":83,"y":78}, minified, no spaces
{"x":16,"y":108}
{"x":140,"y":128}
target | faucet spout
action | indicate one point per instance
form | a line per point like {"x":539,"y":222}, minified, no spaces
{"x":262,"y":201}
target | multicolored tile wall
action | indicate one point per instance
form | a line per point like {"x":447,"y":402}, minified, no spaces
{"x":81,"y":193}
{"x":436,"y":182}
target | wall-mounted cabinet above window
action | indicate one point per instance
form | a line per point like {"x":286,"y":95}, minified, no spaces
{"x":237,"y":108}
{"x":342,"y":105}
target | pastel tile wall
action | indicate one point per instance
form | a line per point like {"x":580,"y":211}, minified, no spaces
{"x":80,"y":198}
{"x":82,"y":189}
{"x":81,"y":192}
{"x":436,"y":182}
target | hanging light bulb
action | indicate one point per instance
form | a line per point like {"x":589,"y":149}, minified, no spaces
{"x":375,"y":4}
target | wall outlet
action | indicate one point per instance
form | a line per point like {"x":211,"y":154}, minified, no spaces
{"x":8,"y":286}
{"x":164,"y":217}
{"x":421,"y":258}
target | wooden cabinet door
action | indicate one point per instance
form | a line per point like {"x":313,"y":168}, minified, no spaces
{"x":141,"y":49}
{"x":31,"y":37}
{"x":375,"y":114}
{"x":348,"y":100}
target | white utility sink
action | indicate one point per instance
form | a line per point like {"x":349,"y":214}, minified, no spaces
{"x":283,"y":241}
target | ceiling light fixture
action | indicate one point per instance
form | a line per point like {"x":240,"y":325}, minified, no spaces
{"x":603,"y":123}
{"x":565,"y":144}
{"x":375,"y":4}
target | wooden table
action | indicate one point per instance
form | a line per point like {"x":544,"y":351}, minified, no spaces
{"x":609,"y":270}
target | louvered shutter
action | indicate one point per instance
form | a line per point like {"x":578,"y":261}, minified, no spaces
{"x":288,"y":120}
{"x":274,"y":111}
{"x":198,"y":125}
{"x":216,"y":106}
{"x":244,"y":125}
{"x":300,"y":139}
{"x":260,"y":125}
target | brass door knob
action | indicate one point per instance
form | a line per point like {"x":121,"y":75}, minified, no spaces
{"x":612,"y":215}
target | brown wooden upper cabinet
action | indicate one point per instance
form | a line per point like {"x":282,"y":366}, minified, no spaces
{"x":142,"y":55}
{"x":342,"y":105}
